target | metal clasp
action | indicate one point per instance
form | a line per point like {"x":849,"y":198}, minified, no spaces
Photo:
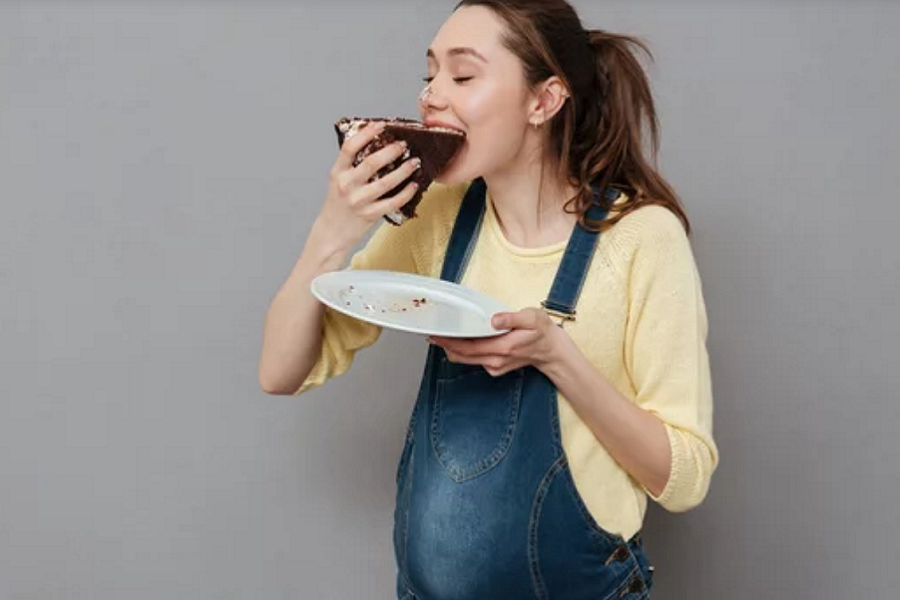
{"x":563,"y":317}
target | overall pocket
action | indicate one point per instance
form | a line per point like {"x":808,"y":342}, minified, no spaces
{"x":474,"y":417}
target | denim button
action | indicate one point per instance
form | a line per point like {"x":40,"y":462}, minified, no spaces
{"x":620,"y":554}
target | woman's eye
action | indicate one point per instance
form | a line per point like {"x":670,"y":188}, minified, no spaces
{"x":456,"y":79}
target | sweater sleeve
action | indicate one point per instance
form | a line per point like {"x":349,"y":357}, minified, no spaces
{"x":666,"y":353}
{"x":410,"y":248}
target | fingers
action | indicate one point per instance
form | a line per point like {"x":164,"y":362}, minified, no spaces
{"x":496,"y":361}
{"x":502,"y":320}
{"x":385,"y":184}
{"x":353,"y":145}
{"x":376,"y":161}
{"x":355,"y":186}
{"x":475,"y":351}
{"x":494,"y":365}
{"x":527,"y":318}
{"x":393,"y":203}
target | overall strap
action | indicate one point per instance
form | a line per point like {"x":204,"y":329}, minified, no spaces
{"x":465,"y":232}
{"x":573,"y":268}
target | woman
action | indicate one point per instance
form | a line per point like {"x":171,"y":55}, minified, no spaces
{"x":529,"y":456}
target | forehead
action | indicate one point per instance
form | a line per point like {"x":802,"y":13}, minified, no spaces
{"x":474,"y":27}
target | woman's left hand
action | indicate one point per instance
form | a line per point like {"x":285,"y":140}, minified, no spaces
{"x":533,"y":339}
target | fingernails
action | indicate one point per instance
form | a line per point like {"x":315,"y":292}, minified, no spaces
{"x":417,"y":163}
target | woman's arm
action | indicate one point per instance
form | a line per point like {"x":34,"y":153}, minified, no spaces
{"x":661,"y":433}
{"x":635,"y":438}
{"x":292,"y":334}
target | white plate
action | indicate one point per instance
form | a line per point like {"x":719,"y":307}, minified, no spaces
{"x":410,"y":303}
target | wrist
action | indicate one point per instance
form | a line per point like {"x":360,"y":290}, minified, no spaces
{"x":559,"y":352}
{"x":320,"y":255}
{"x":326,"y":242}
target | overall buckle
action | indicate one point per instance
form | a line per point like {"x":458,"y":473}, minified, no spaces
{"x":562,"y":316}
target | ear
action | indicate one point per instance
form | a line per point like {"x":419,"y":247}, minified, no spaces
{"x":547,"y":100}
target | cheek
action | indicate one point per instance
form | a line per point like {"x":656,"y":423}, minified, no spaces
{"x":485,"y":109}
{"x":493,"y":115}
{"x":493,"y":120}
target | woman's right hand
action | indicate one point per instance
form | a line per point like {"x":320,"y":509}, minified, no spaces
{"x":352,"y":206}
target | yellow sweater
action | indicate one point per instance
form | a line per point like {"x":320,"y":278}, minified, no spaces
{"x":641,"y":323}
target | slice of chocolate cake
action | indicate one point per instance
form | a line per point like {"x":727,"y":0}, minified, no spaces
{"x":435,"y":146}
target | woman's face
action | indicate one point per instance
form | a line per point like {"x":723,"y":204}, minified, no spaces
{"x":477,"y":86}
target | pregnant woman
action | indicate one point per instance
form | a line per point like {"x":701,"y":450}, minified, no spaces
{"x":530,"y":456}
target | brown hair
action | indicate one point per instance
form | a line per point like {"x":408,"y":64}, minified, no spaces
{"x":597,"y":138}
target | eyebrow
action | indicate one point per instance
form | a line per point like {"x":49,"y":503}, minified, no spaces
{"x":459,"y":52}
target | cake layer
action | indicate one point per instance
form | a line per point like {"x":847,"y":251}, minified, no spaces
{"x":434,"y":146}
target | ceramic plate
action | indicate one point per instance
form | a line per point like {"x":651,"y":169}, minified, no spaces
{"x":411,"y":303}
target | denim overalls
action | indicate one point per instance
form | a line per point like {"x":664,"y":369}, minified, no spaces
{"x":486,"y":505}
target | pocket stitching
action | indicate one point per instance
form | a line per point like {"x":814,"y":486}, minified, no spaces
{"x":590,"y":522}
{"x":501,"y":448}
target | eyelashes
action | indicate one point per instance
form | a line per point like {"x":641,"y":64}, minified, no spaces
{"x":456,"y":79}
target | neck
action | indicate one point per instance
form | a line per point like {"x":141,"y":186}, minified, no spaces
{"x":529,"y":204}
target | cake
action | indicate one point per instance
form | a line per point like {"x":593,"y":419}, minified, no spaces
{"x":434,"y":146}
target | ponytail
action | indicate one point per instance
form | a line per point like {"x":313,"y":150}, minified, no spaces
{"x":611,"y":132}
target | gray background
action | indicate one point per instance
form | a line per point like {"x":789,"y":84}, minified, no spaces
{"x":161,"y":165}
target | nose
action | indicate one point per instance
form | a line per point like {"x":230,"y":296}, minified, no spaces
{"x":430,"y":98}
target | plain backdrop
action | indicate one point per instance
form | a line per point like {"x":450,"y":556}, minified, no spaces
{"x":160,"y":166}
